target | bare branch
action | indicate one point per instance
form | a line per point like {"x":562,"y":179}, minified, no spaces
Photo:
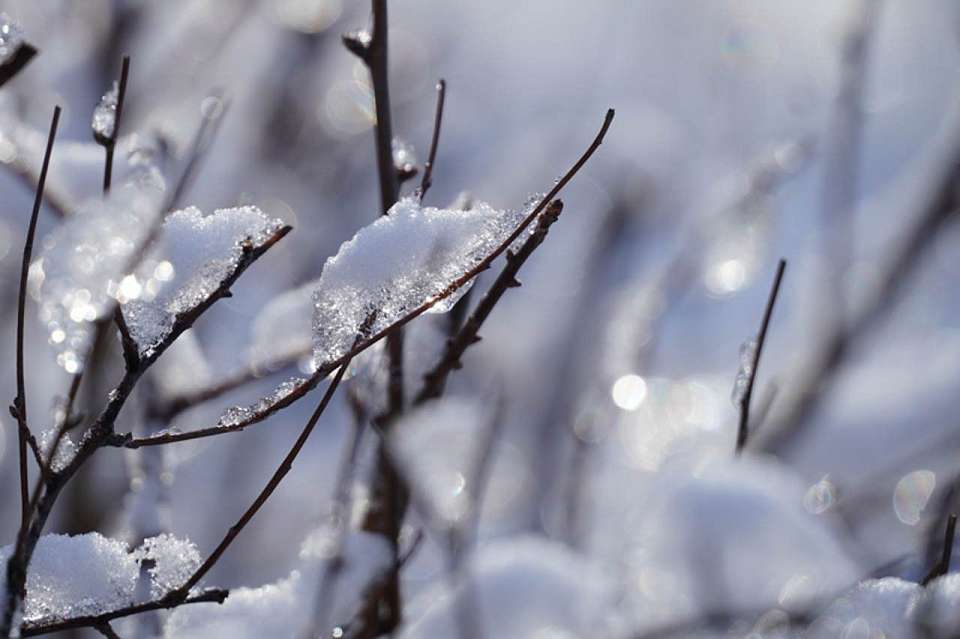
{"x":427,"y":180}
{"x":942,"y":567}
{"x":213,"y":595}
{"x":20,"y":403}
{"x":744,"y":429}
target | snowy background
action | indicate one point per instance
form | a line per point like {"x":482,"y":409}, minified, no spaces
{"x":615,"y":505}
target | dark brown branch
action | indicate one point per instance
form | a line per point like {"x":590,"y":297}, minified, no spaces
{"x":942,"y":567}
{"x":109,"y":143}
{"x":365,"y":343}
{"x":20,"y":402}
{"x":285,"y":466}
{"x":213,"y":595}
{"x":427,"y":180}
{"x":15,"y":65}
{"x":435,"y":379}
{"x":744,"y":429}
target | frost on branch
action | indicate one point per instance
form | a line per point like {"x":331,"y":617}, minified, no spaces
{"x":285,"y":608}
{"x":194,"y":255}
{"x":436,"y":448}
{"x":73,"y":576}
{"x":105,"y":114}
{"x":79,"y":273}
{"x":525,"y":587}
{"x":394,"y":265}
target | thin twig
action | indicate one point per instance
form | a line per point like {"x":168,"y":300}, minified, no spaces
{"x":110,"y":143}
{"x":285,"y":466}
{"x":427,"y":180}
{"x":744,"y":429}
{"x":942,"y":567}
{"x":20,"y":403}
{"x":213,"y":595}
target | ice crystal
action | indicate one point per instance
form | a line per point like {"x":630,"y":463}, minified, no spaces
{"x":172,"y":562}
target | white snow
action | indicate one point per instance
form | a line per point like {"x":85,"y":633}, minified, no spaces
{"x":396,"y":264}
{"x":104,"y":120}
{"x":80,"y":575}
{"x":194,"y":254}
{"x":11,"y":38}
{"x":436,"y":448}
{"x":174,"y":561}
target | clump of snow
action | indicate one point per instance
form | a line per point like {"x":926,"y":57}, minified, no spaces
{"x":173,"y":561}
{"x":79,"y":273}
{"x":437,"y":447}
{"x":11,"y":38}
{"x":66,"y":448}
{"x":104,"y":121}
{"x":285,"y":608}
{"x":525,"y":587}
{"x":394,"y":265}
{"x":77,"y":575}
{"x":195,"y":253}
